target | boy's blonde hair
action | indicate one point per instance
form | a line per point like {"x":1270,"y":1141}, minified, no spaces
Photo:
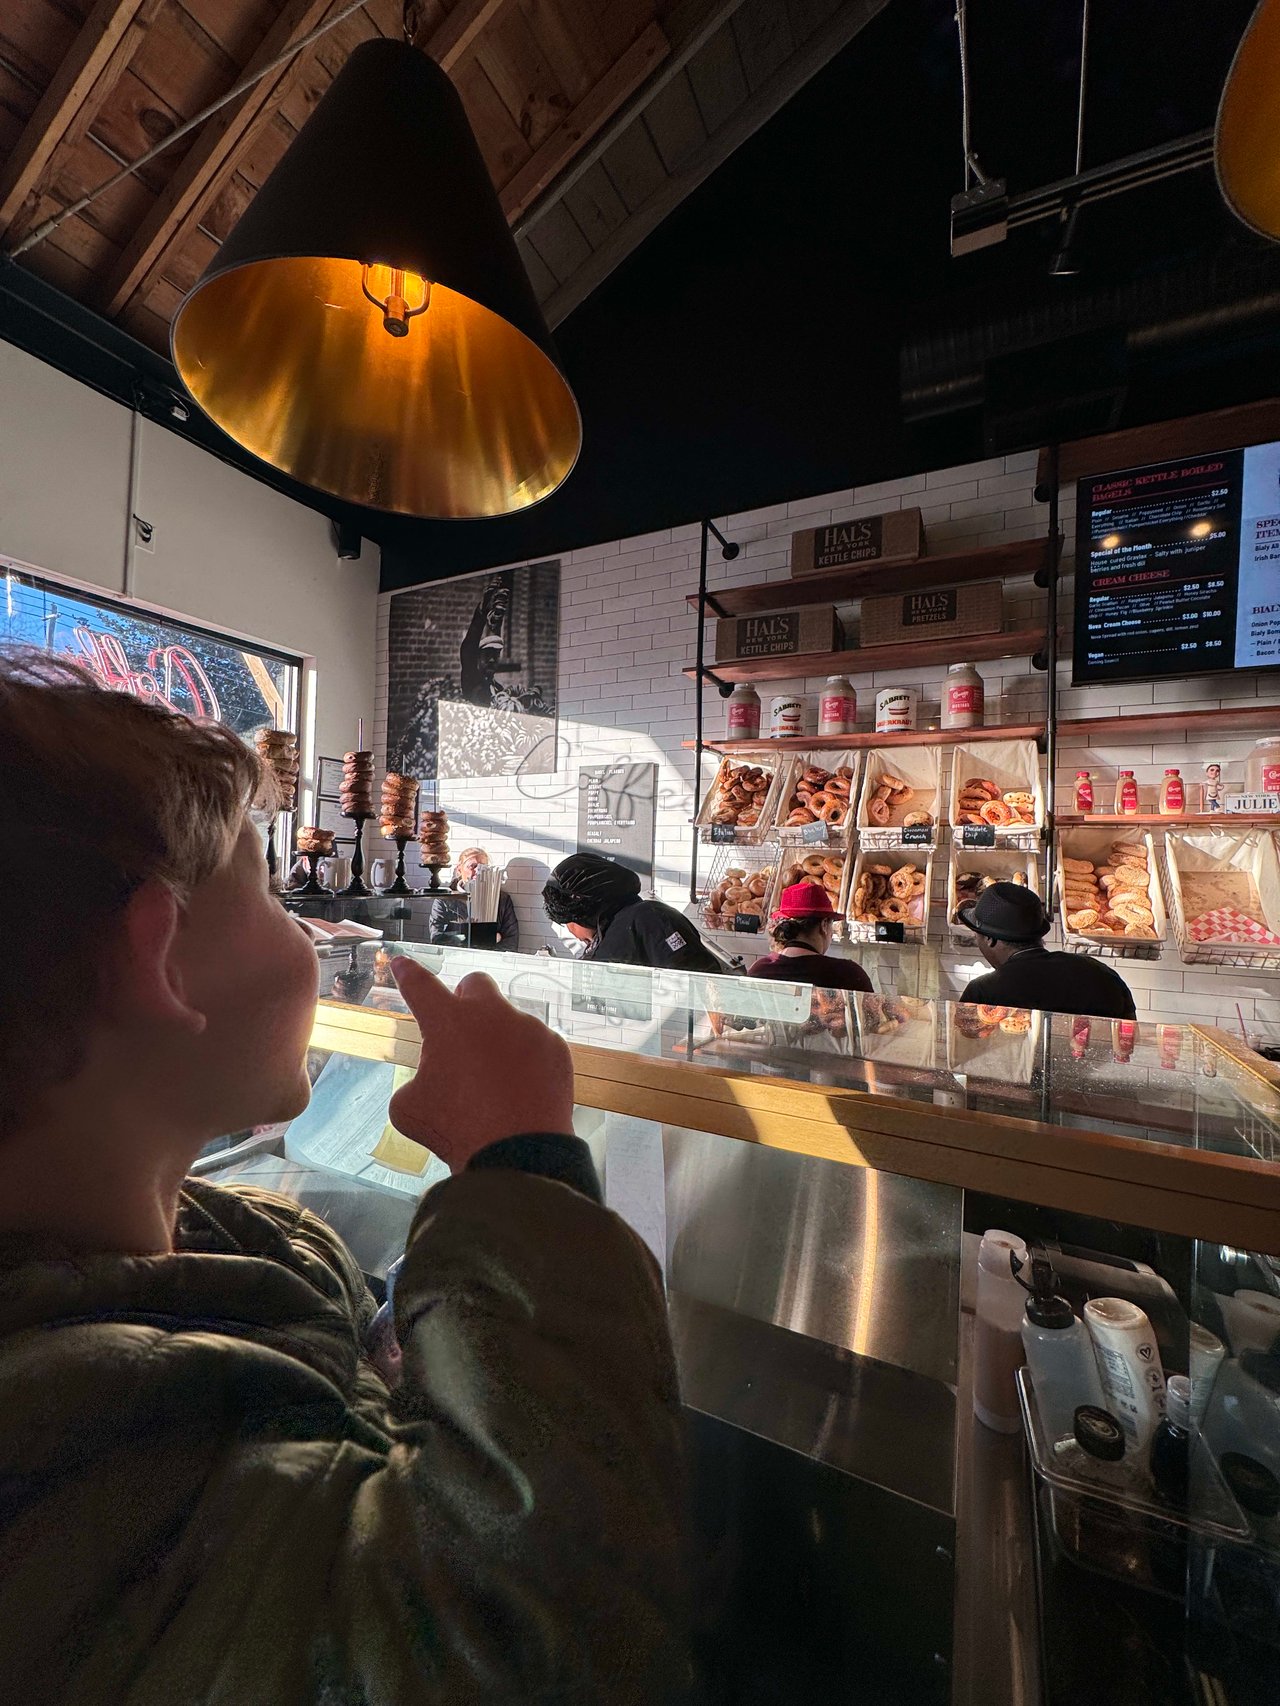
{"x":99,"y":793}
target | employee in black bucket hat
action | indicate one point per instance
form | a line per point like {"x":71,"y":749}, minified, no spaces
{"x":1011,"y":923}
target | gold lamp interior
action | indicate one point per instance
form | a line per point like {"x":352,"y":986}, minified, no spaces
{"x":455,"y":415}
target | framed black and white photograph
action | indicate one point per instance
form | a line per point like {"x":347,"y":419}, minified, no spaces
{"x":472,"y":675}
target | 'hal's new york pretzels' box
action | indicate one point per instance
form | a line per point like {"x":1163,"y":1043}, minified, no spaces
{"x":932,"y":613}
{"x":895,"y":536}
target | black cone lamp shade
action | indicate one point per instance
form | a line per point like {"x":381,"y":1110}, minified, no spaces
{"x":368,"y":327}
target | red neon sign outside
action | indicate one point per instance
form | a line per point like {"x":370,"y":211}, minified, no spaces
{"x":104,"y":657}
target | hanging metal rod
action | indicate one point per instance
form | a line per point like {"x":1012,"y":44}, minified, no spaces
{"x":50,"y":225}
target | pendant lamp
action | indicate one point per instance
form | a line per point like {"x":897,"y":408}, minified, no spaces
{"x":1246,"y":144}
{"x":368,"y":327}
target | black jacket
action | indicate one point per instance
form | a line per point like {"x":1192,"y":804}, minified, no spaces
{"x":1055,"y":983}
{"x":650,"y":933}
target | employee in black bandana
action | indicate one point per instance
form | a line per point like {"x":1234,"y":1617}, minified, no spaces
{"x":599,"y":902}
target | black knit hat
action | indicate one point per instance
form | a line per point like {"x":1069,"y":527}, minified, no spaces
{"x":586,"y":888}
{"x":1007,"y":912}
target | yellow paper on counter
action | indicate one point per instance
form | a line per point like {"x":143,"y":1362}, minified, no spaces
{"x":393,"y":1149}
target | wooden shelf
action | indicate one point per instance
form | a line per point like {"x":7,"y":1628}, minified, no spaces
{"x":915,"y":654}
{"x":839,"y":743}
{"x":1195,"y":820}
{"x":842,"y":586}
{"x":1242,"y":719}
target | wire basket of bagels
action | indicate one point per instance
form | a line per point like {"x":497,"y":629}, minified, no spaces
{"x":829,"y":868}
{"x":1224,"y":898}
{"x":890,"y":887}
{"x":738,"y":887}
{"x":973,"y":869}
{"x":817,"y":799}
{"x":1109,"y":894}
{"x":895,"y":1031}
{"x":995,"y":784}
{"x":901,"y":790}
{"x":741,"y":798}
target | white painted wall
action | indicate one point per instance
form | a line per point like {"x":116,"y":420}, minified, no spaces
{"x":229,"y":552}
{"x":627,"y":634}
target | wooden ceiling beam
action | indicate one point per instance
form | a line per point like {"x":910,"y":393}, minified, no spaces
{"x":211,"y":161}
{"x":592,"y":112}
{"x":213,"y":151}
{"x":105,"y":42}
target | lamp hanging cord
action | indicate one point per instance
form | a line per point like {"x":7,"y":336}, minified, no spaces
{"x":972,"y":169}
{"x":50,"y":225}
{"x":1084,"y":62}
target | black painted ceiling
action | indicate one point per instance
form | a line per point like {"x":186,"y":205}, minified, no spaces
{"x":758,"y":346}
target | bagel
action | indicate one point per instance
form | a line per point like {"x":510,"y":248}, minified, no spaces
{"x":902,"y":795}
{"x":832,"y":865}
{"x":893,"y":910}
{"x":813,"y":864}
{"x":1082,"y":920}
{"x":900,"y":883}
{"x":917,"y":818}
{"x":1017,"y":1023}
{"x":1132,"y":877}
{"x":990,"y":1015}
{"x":1082,"y":866}
{"x":997,"y":813}
{"x":1144,"y":932}
{"x":845,"y":773}
{"x":881,"y":793}
{"x":801,"y":815}
{"x":748,"y":817}
{"x":894,"y":784}
{"x":878,"y":811}
{"x":982,"y":785}
{"x":969,"y":817}
{"x":834,"y":812}
{"x":757,"y":885}
{"x":917,"y":882}
{"x":880,"y":870}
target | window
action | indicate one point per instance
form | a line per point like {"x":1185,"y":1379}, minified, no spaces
{"x":128,"y":649}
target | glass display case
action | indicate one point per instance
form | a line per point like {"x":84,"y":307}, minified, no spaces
{"x":813,"y":1171}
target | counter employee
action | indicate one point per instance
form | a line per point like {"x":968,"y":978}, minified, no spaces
{"x":599,"y":902}
{"x":1010,"y":923}
{"x":801,"y":931}
{"x":444,"y":920}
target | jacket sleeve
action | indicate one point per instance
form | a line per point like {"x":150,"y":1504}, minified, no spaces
{"x":508,"y":924}
{"x":523,"y":1542}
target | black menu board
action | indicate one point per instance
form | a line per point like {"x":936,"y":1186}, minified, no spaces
{"x":1178,"y":568}
{"x":617,"y":805}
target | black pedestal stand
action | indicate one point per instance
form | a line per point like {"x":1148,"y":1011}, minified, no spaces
{"x":312,"y":886}
{"x":357,"y":888}
{"x":435,"y":886}
{"x":273,"y":863}
{"x":400,"y":886}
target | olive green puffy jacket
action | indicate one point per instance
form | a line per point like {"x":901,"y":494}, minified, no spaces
{"x":207,"y":1496}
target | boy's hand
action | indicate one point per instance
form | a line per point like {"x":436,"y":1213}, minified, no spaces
{"x":487,"y":1070}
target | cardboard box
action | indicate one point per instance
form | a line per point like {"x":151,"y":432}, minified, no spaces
{"x":933,"y":613}
{"x":895,"y":536}
{"x":776,"y":633}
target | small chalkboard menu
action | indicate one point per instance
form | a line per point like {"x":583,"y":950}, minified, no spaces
{"x":617,"y":805}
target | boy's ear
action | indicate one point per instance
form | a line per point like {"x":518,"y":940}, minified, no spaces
{"x":147,"y":982}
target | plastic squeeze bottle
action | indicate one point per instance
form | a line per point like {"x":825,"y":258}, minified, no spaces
{"x":1173,"y":796}
{"x":997,"y":1339}
{"x":1129,"y":1366}
{"x":1059,"y":1352}
{"x":1126,"y":795}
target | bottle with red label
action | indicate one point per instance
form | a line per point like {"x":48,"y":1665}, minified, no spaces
{"x":1264,"y":766}
{"x":1084,"y":792}
{"x":962,"y":698}
{"x":1124,"y":1034}
{"x":1126,"y":795}
{"x":1173,"y":796}
{"x":837,"y":707}
{"x":743,"y":715}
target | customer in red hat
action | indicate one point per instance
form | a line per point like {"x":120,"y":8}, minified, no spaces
{"x":801,"y":931}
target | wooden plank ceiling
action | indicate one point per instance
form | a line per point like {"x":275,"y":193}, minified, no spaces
{"x":595,"y":117}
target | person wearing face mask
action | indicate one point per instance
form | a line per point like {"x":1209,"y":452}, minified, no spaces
{"x":801,"y":930}
{"x":443,"y":918}
{"x":210,"y":1493}
{"x":598,"y":901}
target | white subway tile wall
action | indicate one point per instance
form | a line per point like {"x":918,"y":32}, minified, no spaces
{"x":627,"y":634}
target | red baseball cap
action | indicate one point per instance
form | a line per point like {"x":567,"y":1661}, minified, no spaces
{"x":805,"y":900}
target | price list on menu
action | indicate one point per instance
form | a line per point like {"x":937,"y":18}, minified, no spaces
{"x":1156,"y":571}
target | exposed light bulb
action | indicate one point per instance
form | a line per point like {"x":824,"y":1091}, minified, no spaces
{"x":1110,"y":542}
{"x":396,"y":300}
{"x":1202,"y":530}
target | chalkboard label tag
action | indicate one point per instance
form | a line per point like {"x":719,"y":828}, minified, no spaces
{"x":890,"y":930}
{"x":977,"y":835}
{"x":814,"y":834}
{"x":724,"y":834}
{"x":918,"y":835}
{"x":747,"y":923}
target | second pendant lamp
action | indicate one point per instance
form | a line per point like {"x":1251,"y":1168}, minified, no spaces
{"x":368,"y":327}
